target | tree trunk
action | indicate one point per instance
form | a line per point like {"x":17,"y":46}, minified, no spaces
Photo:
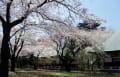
{"x":35,"y":67}
{"x":5,"y":53}
{"x":13,"y":65}
{"x":68,"y":67}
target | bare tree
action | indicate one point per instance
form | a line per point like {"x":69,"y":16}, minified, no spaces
{"x":14,"y":12}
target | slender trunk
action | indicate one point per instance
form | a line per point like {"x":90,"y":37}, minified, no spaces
{"x":5,"y":53}
{"x":68,"y":66}
{"x":12,"y":64}
{"x":35,"y":67}
{"x":36,"y":63}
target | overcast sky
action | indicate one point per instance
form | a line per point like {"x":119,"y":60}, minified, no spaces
{"x":106,"y":9}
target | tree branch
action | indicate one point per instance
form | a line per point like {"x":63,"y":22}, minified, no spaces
{"x":18,"y":21}
{"x":69,"y":7}
{"x":44,"y":16}
{"x":21,"y":46}
{"x":2,"y":19}
{"x":17,"y":31}
{"x":45,"y":1}
{"x":11,"y":49}
{"x":8,"y":11}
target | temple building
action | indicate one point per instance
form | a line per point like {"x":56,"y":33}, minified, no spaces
{"x":112,"y":49}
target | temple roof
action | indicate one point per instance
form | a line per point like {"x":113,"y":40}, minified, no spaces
{"x":113,"y":43}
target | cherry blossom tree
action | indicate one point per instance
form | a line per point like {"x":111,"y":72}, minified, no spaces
{"x":16,"y":46}
{"x":69,"y":40}
{"x":15,"y":12}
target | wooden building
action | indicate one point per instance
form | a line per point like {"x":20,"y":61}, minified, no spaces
{"x":112,"y":49}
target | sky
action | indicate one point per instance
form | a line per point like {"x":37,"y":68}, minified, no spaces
{"x":106,"y":9}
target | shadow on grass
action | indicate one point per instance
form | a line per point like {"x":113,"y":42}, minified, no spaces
{"x":56,"y":73}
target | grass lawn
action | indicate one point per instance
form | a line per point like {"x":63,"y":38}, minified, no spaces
{"x":53,"y":73}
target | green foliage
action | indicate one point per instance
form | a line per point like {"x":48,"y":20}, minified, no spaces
{"x":68,"y":54}
{"x":31,"y":59}
{"x":87,"y":60}
{"x":22,"y":62}
{"x":47,"y":61}
{"x":81,"y":60}
{"x":86,"y":25}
